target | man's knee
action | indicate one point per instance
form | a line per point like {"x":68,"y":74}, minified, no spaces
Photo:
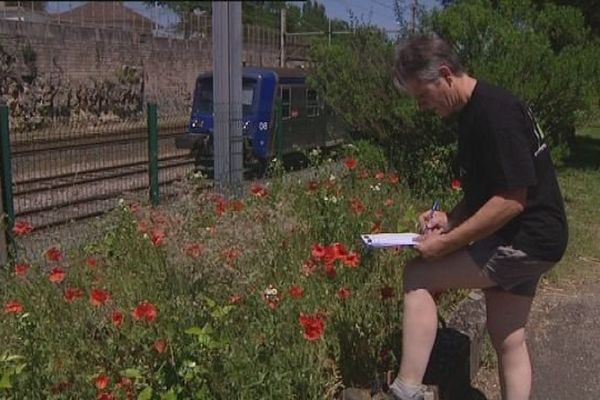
{"x":504,"y":344}
{"x":414,"y":277}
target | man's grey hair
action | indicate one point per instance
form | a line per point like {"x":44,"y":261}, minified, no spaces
{"x":419,"y":58}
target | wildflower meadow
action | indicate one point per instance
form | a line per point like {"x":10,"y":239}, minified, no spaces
{"x":267,"y":296}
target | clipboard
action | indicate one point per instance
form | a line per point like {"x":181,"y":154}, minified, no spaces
{"x":383,"y":240}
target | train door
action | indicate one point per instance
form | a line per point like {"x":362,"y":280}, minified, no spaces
{"x":297,"y":129}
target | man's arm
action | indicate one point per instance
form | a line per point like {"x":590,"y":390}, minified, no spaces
{"x":493,"y":215}
{"x":459,"y":213}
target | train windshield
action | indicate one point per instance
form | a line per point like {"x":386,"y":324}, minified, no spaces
{"x":203,"y":96}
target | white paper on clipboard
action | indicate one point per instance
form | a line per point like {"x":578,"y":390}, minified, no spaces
{"x":379,"y":240}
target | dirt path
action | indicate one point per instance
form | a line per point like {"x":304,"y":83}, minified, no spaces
{"x":564,"y":341}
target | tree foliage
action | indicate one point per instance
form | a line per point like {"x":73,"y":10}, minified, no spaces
{"x":547,"y":57}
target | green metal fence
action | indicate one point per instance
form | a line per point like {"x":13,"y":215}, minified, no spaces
{"x":68,"y":172}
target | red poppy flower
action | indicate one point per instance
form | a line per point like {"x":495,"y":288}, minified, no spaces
{"x":160,"y":346}
{"x":146,"y":311}
{"x":387,"y":292}
{"x":235,"y":299}
{"x":343,"y":293}
{"x":357,"y":207}
{"x":99,"y":297}
{"x":91,"y":262}
{"x":330,"y":255}
{"x":456,"y":185}
{"x":317,"y":251}
{"x":258,"y":190}
{"x":340,"y":250}
{"x":231,"y":254}
{"x":21,"y":228}
{"x":236,"y":205}
{"x":116,"y":317}
{"x":313,"y":186}
{"x":157,"y":236}
{"x":330,"y":270}
{"x":363,"y":174}
{"x":351,"y":259}
{"x":101,"y":382}
{"x":105,"y":396}
{"x":380,"y":175}
{"x":313,"y":325}
{"x":296,"y":291}
{"x":57,"y":275}
{"x":220,"y":206}
{"x":72,"y":293}
{"x":13,"y":307}
{"x":21,"y":269}
{"x":142,"y":227}
{"x":376,"y":227}
{"x":53,"y":254}
{"x":193,"y":250}
{"x":124,"y":382}
{"x":350,"y":163}
{"x":393,"y":179}
{"x":388,"y":202}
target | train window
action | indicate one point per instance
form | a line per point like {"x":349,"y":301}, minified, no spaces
{"x":203,"y":97}
{"x":285,"y":94}
{"x":312,"y":103}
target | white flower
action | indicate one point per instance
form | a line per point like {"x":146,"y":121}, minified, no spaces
{"x":270,"y":292}
{"x":121,"y":202}
{"x":332,"y":177}
{"x":375,"y":188}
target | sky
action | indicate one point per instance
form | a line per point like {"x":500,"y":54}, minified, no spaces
{"x":378,"y":12}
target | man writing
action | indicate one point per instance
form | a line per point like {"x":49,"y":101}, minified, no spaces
{"x":508,"y":230}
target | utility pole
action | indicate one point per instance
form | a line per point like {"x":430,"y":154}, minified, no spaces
{"x":414,"y":16}
{"x":227,"y":94}
{"x":282,"y":28}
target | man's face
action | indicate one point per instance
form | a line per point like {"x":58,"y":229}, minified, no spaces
{"x":432,"y":95}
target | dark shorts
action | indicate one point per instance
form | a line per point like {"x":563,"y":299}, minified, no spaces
{"x":512,"y":269}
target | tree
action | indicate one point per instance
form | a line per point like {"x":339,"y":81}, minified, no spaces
{"x":185,"y":10}
{"x":589,"y":8}
{"x":547,"y":57}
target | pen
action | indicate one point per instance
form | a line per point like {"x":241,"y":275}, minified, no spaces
{"x":434,"y":207}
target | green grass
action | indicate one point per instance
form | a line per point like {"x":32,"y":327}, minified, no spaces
{"x":579,"y":179}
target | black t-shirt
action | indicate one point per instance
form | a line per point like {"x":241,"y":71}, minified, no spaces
{"x":496,"y":152}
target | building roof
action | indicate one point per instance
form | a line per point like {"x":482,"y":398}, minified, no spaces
{"x":106,"y":14}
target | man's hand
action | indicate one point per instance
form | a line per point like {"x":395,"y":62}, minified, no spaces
{"x":432,"y":245}
{"x":438,"y":222}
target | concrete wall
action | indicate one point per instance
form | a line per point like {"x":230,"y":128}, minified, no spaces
{"x":77,"y":54}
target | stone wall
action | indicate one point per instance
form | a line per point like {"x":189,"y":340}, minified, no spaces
{"x":88,"y":72}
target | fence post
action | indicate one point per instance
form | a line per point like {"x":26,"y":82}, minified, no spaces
{"x":153,"y":153}
{"x":5,"y":184}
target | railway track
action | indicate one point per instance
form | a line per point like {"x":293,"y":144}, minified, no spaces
{"x":59,"y":180}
